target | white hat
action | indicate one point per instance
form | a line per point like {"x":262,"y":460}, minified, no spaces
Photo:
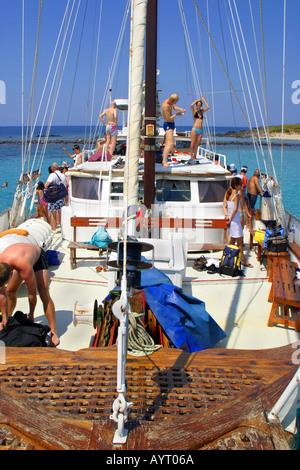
{"x":232,"y":167}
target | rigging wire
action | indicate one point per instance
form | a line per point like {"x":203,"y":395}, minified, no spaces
{"x":44,"y":89}
{"x":283,"y":86}
{"x":22,"y":80}
{"x":221,"y":62}
{"x":99,"y":125}
{"x":241,"y":81}
{"x":227,"y":68}
{"x":265,"y":88}
{"x":33,"y":87}
{"x":90,"y":74}
{"x":265,"y":93}
{"x":193,"y":67}
{"x":76,"y":66}
{"x":211,"y":79}
{"x":95,"y":71}
{"x":59,"y":79}
{"x":54,"y":81}
{"x":246,"y":78}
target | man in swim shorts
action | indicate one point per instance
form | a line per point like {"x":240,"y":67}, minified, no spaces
{"x":111,"y":126}
{"x":29,"y":263}
{"x":253,"y":189}
{"x":169,"y":124}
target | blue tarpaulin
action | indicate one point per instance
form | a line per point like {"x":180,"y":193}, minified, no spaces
{"x":183,"y":318}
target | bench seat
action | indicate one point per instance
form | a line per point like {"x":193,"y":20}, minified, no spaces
{"x":286,"y":292}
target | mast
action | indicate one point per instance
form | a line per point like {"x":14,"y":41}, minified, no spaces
{"x":150,"y":104}
{"x":121,"y":308}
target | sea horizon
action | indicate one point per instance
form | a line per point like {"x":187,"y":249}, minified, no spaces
{"x":237,"y":150}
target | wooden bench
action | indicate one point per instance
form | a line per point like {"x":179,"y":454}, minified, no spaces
{"x":295,"y":249}
{"x":88,"y":222}
{"x":147,"y":224}
{"x":284,"y":291}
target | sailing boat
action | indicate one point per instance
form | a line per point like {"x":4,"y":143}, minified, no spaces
{"x":212,"y":398}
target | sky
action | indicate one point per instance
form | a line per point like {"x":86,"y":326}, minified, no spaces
{"x":190,"y":69}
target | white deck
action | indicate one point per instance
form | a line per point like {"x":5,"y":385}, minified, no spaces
{"x":239,"y":306}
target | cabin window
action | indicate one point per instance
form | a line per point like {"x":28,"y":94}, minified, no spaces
{"x":176,"y":190}
{"x":212,"y":191}
{"x":86,"y":188}
{"x":117,"y":189}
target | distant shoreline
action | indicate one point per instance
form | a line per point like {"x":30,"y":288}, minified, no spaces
{"x":237,"y":137}
{"x":273,"y":135}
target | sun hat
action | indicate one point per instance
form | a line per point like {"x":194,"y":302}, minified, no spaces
{"x":232,"y":167}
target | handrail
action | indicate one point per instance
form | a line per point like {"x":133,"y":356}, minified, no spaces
{"x":211,"y":155}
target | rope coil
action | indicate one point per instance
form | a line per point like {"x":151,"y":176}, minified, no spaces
{"x":140,"y":342}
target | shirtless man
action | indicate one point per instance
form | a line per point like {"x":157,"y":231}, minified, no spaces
{"x":253,"y":189}
{"x":77,"y":156}
{"x":111,"y":126}
{"x":169,"y":124}
{"x":25,"y":262}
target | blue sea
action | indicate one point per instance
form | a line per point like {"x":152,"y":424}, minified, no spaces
{"x":238,"y":151}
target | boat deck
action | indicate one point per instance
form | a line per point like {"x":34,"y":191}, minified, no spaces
{"x":239,"y":305}
{"x":214,"y":399}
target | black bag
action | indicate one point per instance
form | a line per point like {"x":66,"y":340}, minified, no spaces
{"x":230,"y":263}
{"x":22,"y":332}
{"x":276,"y":242}
{"x":55,"y":192}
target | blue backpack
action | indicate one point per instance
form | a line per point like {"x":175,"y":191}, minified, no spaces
{"x":230,"y":263}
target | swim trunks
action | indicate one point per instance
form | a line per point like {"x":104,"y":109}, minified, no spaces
{"x":42,"y":262}
{"x":56,"y":206}
{"x":169,"y":125}
{"x":198,"y":131}
{"x":251,"y":198}
{"x":111,"y":129}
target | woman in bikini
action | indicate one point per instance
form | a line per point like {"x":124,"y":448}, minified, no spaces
{"x":231,"y":205}
{"x":196,"y":132}
{"x":42,"y":204}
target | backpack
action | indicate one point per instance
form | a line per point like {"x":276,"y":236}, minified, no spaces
{"x":22,"y":332}
{"x":269,"y":232}
{"x":55,"y":192}
{"x":230,"y":263}
{"x":276,"y":242}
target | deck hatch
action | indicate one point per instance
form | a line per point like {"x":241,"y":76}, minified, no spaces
{"x":88,"y":391}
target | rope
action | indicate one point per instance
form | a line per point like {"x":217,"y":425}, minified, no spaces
{"x":140,"y":342}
